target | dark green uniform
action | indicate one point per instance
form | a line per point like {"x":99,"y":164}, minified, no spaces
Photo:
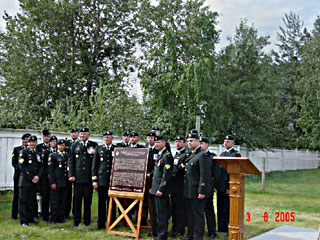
{"x":57,"y":173}
{"x":80,"y":167}
{"x":101,"y":171}
{"x":178,"y":203}
{"x":123,"y":144}
{"x":223,"y":201}
{"x":30,"y":165}
{"x":16,"y":176}
{"x":197,"y":181}
{"x":161,"y":182}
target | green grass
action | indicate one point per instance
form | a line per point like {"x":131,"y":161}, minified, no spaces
{"x":292,"y":191}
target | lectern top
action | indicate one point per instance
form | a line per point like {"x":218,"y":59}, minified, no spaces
{"x":244,"y":163}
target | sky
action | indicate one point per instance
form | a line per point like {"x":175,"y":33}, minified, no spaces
{"x":265,"y":15}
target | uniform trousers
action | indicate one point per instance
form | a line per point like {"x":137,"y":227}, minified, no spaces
{"x":178,"y":211}
{"x":82,"y":191}
{"x":210,"y":216}
{"x":196,"y":222}
{"x":68,"y":199}
{"x":154,"y":216}
{"x":44,"y":189}
{"x":163,"y":213}
{"x":58,"y":204}
{"x":103,"y":206}
{"x":15,"y":200}
{"x":27,"y":196}
{"x":223,"y":205}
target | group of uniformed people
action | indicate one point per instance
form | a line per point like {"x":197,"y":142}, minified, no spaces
{"x":180,"y":187}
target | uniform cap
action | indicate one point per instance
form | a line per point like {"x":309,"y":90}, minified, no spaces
{"x":32,"y":138}
{"x":52,"y":138}
{"x":204,"y":139}
{"x":134,"y":134}
{"x":125,"y":133}
{"x":151,"y":134}
{"x":159,"y":137}
{"x":46,"y":132}
{"x":193,"y":135}
{"x":61,"y":141}
{"x":155,"y":128}
{"x":74,"y":130}
{"x":84,"y":129}
{"x":194,"y":131}
{"x":180,"y":137}
{"x":108,"y":133}
{"x":230,"y":137}
{"x":26,"y":135}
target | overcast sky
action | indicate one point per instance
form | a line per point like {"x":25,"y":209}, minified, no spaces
{"x":265,"y":15}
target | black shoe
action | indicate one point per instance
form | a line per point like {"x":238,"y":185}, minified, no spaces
{"x":87,"y":224}
{"x":75,"y":225}
{"x":227,"y":236}
{"x":53,"y":223}
{"x":150,"y":234}
{"x":212,"y":236}
{"x":185,"y":238}
{"x":100,"y":228}
{"x":34,"y":222}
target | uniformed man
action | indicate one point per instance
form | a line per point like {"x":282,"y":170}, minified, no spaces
{"x":30,"y":165}
{"x":42,"y":148}
{"x":125,"y":139}
{"x":178,"y":203}
{"x":160,"y":186}
{"x":196,"y":187}
{"x":223,"y":201}
{"x":16,"y":176}
{"x":215,"y":174}
{"x":80,"y":164}
{"x":101,"y":172}
{"x":157,"y":131}
{"x":134,"y":138}
{"x":58,"y":179}
{"x":43,"y":184}
{"x":74,"y":134}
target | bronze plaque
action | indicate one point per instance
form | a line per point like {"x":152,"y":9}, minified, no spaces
{"x":129,"y":169}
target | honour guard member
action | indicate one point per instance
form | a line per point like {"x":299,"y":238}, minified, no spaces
{"x":223,"y":201}
{"x":196,"y":187}
{"x":58,"y":179}
{"x":74,"y":134}
{"x":160,"y":187}
{"x":178,"y":203}
{"x":215,"y":175}
{"x":134,"y":138}
{"x":157,"y":131}
{"x":16,"y":176}
{"x":80,"y":164}
{"x":43,"y":184}
{"x":101,"y":172}
{"x":125,"y":139}
{"x":42,"y":148}
{"x":30,"y":165}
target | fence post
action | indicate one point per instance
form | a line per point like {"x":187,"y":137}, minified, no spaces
{"x":263,"y":175}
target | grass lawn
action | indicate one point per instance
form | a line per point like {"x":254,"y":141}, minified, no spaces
{"x":292,"y":191}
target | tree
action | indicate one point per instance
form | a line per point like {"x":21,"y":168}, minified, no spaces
{"x":177,"y":57}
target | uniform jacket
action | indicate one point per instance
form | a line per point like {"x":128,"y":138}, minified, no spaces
{"x":69,"y":143}
{"x":15,"y":160}
{"x":178,"y":171}
{"x":138,"y":145}
{"x":80,"y":161}
{"x":162,"y":173}
{"x":30,"y":165}
{"x":102,"y":165}
{"x":57,"y":169}
{"x":215,"y":172}
{"x":123,"y":144}
{"x":197,"y":175}
{"x":152,"y":156}
{"x":223,"y":185}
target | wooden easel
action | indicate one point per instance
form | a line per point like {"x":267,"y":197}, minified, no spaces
{"x":237,"y":167}
{"x":138,"y":198}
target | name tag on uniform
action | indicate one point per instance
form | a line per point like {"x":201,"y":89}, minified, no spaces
{"x":60,"y":166}
{"x":155,"y":156}
{"x":101,"y":159}
{"x":77,"y":155}
{"x":38,"y":158}
{"x":175,"y":162}
{"x":112,"y":153}
{"x":91,"y":150}
{"x":30,"y":161}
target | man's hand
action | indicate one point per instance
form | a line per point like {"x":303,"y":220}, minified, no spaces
{"x":201,"y":196}
{"x":35,"y":179}
{"x":53,"y":186}
{"x":159,"y":194}
{"x":72,"y":179}
{"x":95,"y":185}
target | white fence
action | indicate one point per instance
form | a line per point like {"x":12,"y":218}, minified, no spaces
{"x":276,"y":160}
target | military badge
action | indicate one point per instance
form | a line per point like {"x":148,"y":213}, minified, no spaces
{"x":91,"y":150}
{"x":167,"y":166}
{"x":21,"y":160}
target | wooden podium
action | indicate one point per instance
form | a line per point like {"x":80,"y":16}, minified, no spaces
{"x":237,"y":167}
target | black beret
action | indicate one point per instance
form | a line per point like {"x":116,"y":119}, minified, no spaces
{"x":84,"y":129}
{"x":155,"y":128}
{"x":74,"y":130}
{"x":134,"y":133}
{"x":151,"y":134}
{"x":108,"y":133}
{"x":230,"y":137}
{"x":26,"y":135}
{"x":61,"y":141}
{"x":32,"y":138}
{"x":52,"y":138}
{"x":125,"y":133}
{"x":46,"y":132}
{"x":159,"y":137}
{"x":194,"y":131}
{"x":204,"y":139}
{"x":193,"y":135}
{"x":180,"y":137}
